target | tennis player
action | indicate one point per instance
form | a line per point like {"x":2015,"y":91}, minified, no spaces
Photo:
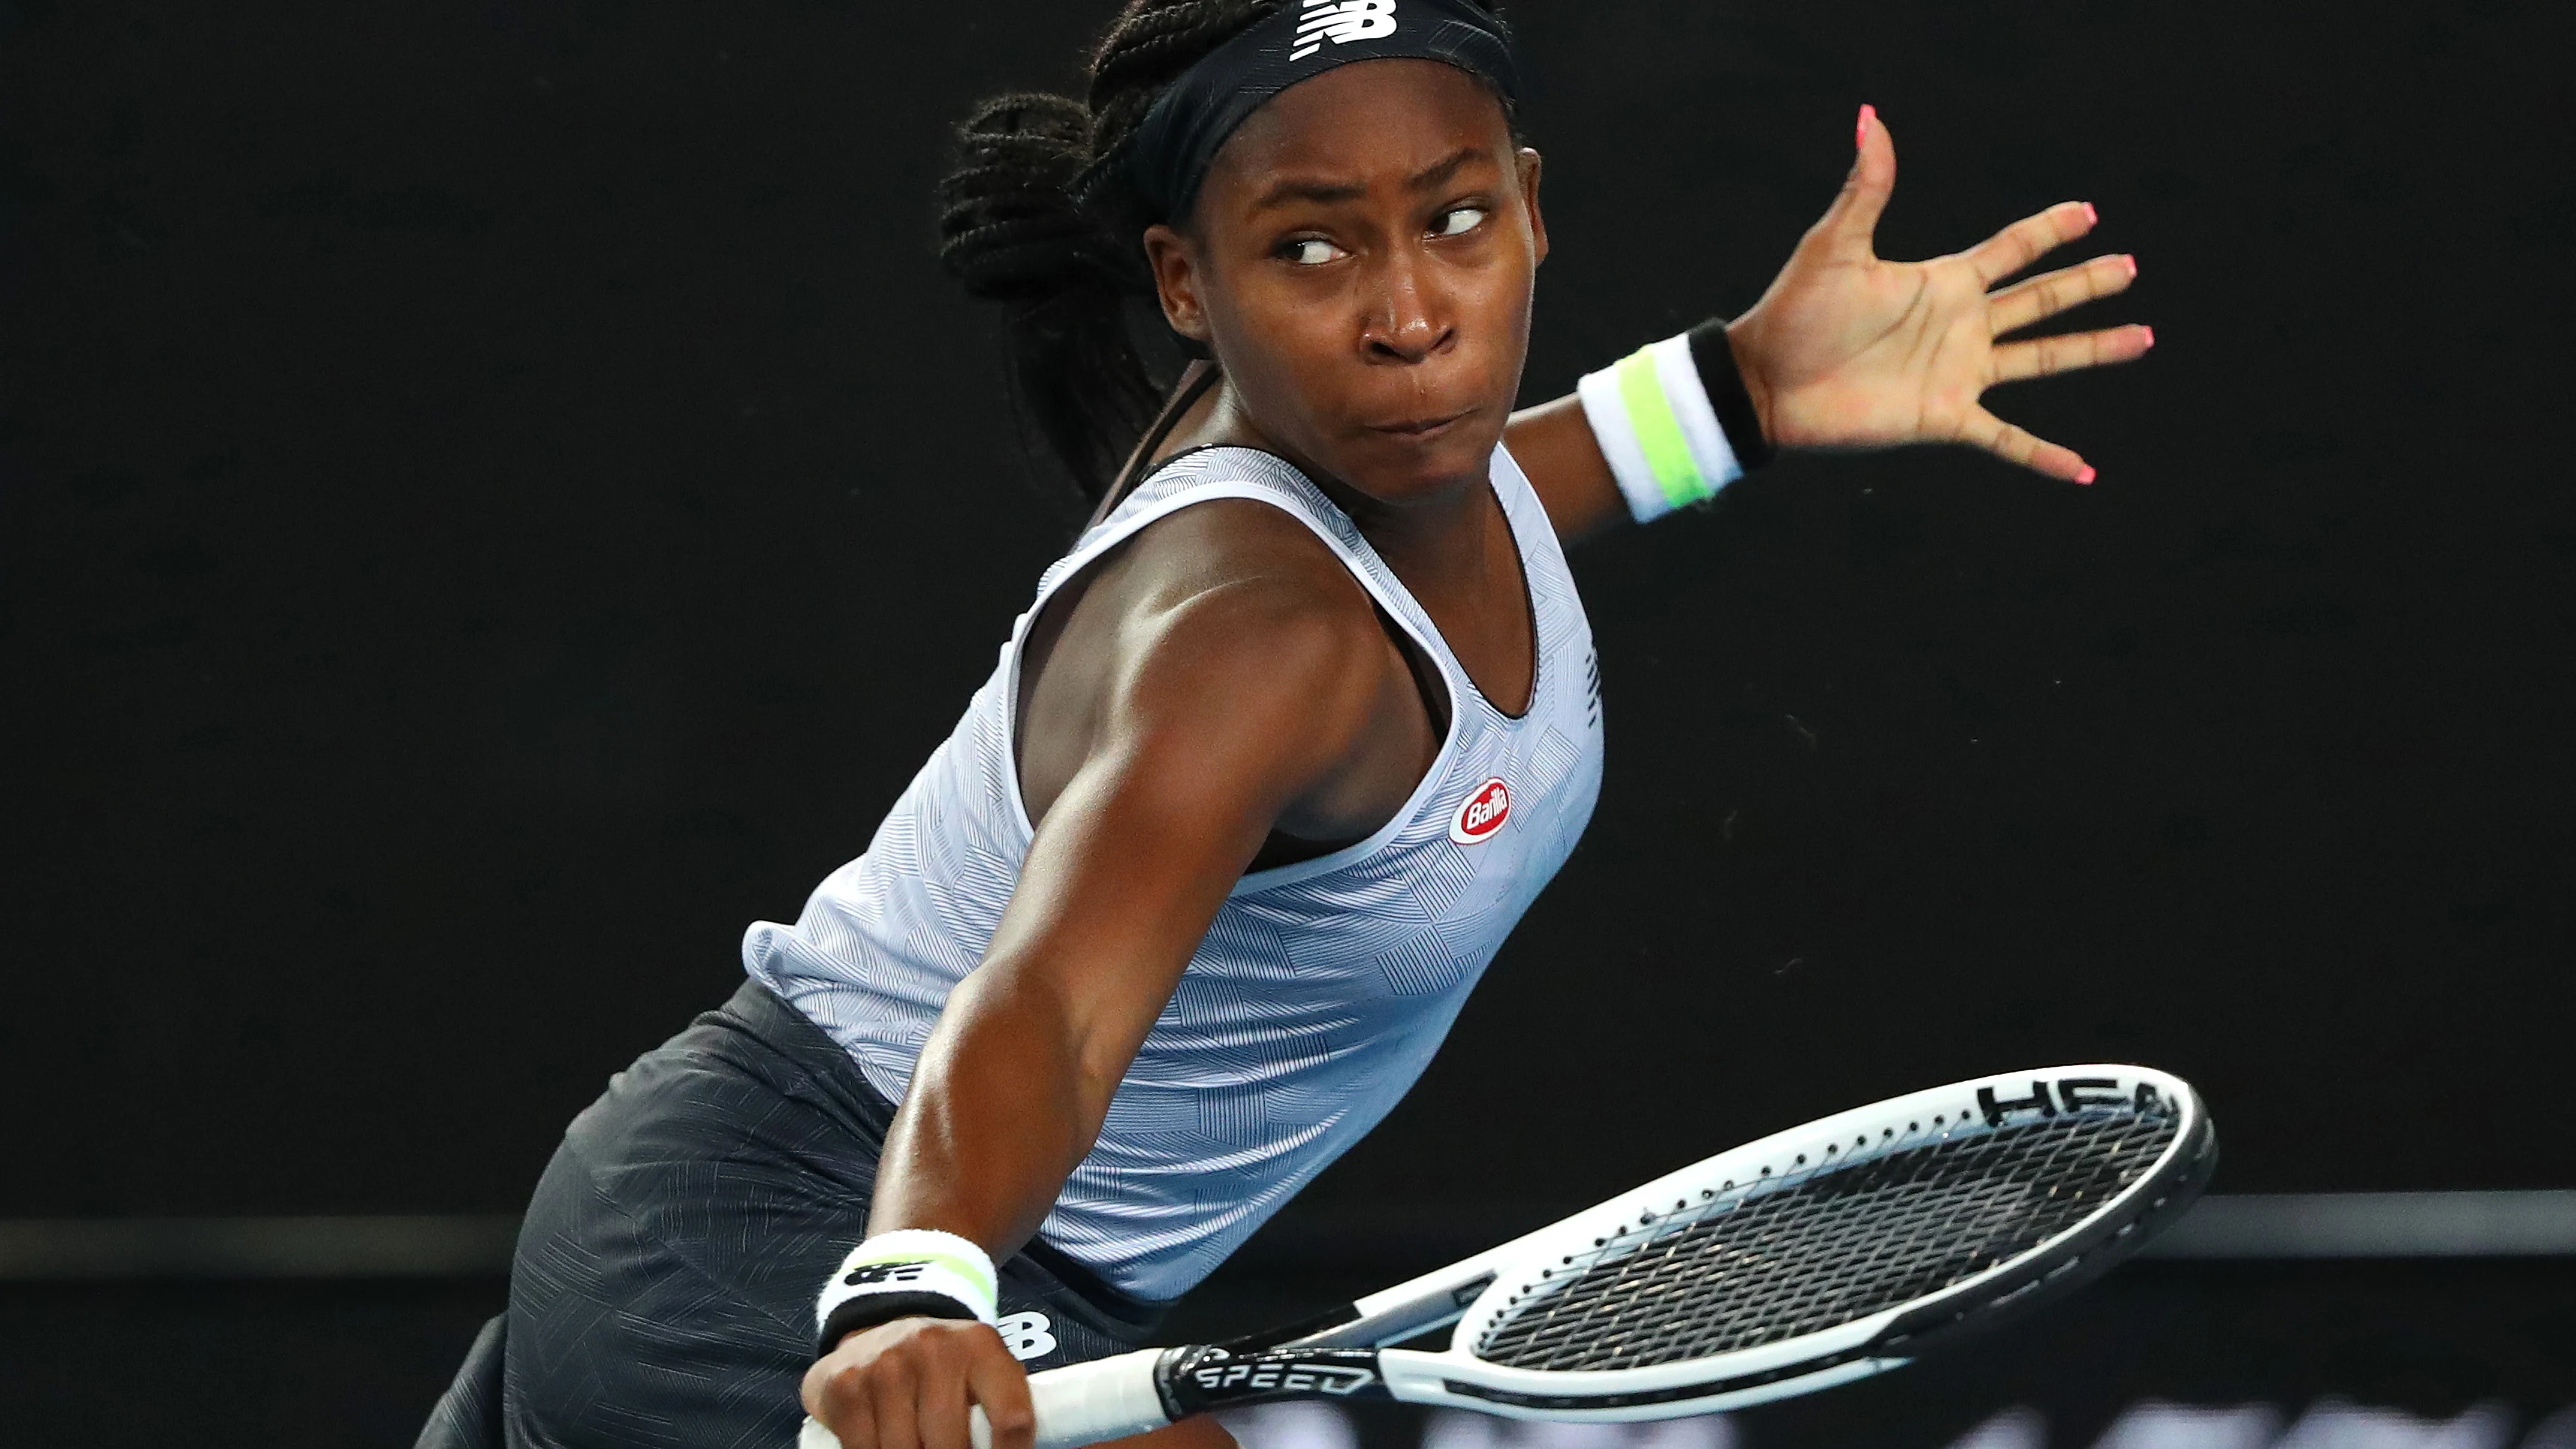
{"x":1277,"y":756}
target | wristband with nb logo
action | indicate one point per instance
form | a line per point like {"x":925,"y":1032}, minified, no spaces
{"x":1675,"y":421}
{"x":907,"y":1273}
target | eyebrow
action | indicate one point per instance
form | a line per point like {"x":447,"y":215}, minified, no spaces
{"x":1327,"y":192}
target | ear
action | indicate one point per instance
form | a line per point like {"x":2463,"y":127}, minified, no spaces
{"x":1528,"y":161}
{"x":1176,"y":281}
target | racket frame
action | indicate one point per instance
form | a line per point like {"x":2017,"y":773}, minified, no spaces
{"x":1348,"y":1353}
{"x":1474,"y":1292}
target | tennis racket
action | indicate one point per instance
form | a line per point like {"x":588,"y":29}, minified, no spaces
{"x":1811,"y":1258}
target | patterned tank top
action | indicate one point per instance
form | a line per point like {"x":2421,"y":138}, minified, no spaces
{"x":1322,"y":988}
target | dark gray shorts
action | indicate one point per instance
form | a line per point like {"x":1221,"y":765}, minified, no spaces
{"x":663,"y":1292}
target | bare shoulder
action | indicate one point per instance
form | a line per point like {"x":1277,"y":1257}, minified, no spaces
{"x":1234,"y":604}
{"x":1249,"y":554}
{"x":1223,"y":649}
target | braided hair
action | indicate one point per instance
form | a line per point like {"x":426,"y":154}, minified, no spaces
{"x":1040,"y":215}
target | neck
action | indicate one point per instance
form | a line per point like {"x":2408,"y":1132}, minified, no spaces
{"x":1428,"y":540}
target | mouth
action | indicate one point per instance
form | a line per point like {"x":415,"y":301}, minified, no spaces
{"x":1422,"y":429}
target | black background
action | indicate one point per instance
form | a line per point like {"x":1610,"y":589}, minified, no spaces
{"x":495,"y":496}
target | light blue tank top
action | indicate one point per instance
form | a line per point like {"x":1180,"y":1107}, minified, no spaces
{"x":1321,"y":989}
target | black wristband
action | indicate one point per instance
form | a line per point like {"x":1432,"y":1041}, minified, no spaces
{"x":869,"y":1310}
{"x":1726,"y":394}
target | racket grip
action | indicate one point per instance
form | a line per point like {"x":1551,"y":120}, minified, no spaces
{"x":1108,"y":1398}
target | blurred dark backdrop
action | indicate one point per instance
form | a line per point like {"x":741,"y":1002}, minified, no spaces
{"x":496,"y":496}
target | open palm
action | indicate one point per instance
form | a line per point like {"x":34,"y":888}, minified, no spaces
{"x":1847,"y":350}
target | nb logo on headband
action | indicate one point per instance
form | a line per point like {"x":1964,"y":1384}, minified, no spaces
{"x":1341,"y":22}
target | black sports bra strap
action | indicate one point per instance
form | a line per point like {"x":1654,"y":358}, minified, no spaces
{"x":1196,"y":379}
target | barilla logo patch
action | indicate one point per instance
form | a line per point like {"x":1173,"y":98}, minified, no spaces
{"x":1483,"y":814}
{"x":1341,"y":22}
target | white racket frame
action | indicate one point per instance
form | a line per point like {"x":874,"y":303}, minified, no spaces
{"x":1114,"y":1397}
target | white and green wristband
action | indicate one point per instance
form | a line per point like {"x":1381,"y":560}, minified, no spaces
{"x":1673,"y":433}
{"x":907,"y":1273}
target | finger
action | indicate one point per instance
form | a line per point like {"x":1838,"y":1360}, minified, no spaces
{"x":1852,"y":220}
{"x":2050,"y":293}
{"x":854,"y":1428}
{"x":2027,"y":240}
{"x":998,"y":1383}
{"x":2069,"y":352}
{"x":2013,"y":445}
{"x":942,"y":1413}
{"x":895,"y":1395}
{"x":839,"y":1402}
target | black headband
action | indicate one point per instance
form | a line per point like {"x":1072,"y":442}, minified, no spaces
{"x":1300,"y":40}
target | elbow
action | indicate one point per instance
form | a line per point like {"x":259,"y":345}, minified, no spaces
{"x":1022,"y":1033}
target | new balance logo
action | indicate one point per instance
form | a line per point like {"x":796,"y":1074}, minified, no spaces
{"x":1341,"y":22}
{"x":871,"y":1274}
{"x":1027,"y":1335}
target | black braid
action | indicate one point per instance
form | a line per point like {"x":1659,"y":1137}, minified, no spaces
{"x":1040,"y":215}
{"x":1149,"y":47}
{"x":1012,"y":229}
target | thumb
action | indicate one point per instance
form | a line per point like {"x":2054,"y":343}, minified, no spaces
{"x":1852,"y":221}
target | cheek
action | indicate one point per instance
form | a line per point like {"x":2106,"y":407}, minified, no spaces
{"x":1504,"y":287}
{"x":1503,"y":306}
{"x":1284,"y":341}
{"x":1271,"y":306}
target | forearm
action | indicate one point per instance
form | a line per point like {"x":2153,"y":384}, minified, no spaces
{"x":1669,"y":425}
{"x":1554,"y":445}
{"x":1001,"y":1107}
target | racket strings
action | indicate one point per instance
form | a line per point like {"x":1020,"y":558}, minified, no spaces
{"x":1868,"y":1228}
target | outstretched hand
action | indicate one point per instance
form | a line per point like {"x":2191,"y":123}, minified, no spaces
{"x":1849,"y":351}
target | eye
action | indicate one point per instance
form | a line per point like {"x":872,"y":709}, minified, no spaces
{"x":1312,"y":251}
{"x":1458,"y":220}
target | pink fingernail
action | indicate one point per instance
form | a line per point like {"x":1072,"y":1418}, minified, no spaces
{"x":2086,"y":476}
{"x":2148,"y":333}
{"x":2133,"y":267}
{"x":1860,"y":133}
{"x":2092,"y":217}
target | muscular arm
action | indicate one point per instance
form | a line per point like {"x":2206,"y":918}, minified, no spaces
{"x":1230,"y":678}
{"x":1555,"y":447}
{"x":1221,"y":706}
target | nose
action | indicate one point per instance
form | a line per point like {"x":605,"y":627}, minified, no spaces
{"x":1407,"y":321}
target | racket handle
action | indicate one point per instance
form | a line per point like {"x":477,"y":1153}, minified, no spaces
{"x":1085,"y":1403}
{"x":1108,"y":1398}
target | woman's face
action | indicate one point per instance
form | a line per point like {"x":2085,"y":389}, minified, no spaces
{"x":1360,"y":260}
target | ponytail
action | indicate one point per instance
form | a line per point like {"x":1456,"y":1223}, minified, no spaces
{"x":1012,"y":230}
{"x":1040,"y":216}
